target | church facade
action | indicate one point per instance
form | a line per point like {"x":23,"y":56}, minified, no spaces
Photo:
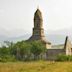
{"x":52,"y":50}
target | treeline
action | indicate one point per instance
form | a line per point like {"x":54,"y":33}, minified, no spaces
{"x":22,"y":51}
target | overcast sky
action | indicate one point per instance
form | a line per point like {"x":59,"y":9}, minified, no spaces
{"x":18,"y":14}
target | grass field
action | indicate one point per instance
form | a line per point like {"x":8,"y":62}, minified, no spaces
{"x":39,"y":66}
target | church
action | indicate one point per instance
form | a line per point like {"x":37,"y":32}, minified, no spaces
{"x":38,"y":31}
{"x":52,"y":50}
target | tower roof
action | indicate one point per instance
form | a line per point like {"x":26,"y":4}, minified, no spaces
{"x":38,"y":14}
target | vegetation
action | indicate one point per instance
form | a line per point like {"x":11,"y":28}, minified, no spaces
{"x":36,"y":66}
{"x":26,"y":51}
{"x":12,"y":56}
{"x":22,"y":51}
{"x":62,"y":57}
{"x":37,"y":49}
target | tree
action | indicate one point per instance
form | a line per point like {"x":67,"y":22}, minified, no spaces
{"x":22,"y":50}
{"x":25,"y":50}
{"x":37,"y":49}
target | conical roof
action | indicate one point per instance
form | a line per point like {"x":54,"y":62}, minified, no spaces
{"x":38,"y":14}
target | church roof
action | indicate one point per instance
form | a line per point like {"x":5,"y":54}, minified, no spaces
{"x":38,"y":14}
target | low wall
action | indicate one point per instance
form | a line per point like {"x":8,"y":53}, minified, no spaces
{"x":51,"y":54}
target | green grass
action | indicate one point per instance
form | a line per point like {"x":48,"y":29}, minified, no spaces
{"x":38,"y":66}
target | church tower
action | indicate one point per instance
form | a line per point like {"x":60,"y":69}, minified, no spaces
{"x":38,"y":31}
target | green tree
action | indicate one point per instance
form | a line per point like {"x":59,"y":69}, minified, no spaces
{"x":37,"y":49}
{"x":22,"y":50}
{"x":25,"y":51}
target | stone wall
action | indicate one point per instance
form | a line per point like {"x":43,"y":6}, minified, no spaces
{"x":51,"y":54}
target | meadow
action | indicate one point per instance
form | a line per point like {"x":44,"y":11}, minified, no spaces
{"x":36,"y":66}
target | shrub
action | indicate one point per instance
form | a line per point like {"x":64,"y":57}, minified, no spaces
{"x":7,"y":58}
{"x":62,"y":57}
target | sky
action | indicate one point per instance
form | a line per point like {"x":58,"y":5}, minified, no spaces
{"x":16,"y":16}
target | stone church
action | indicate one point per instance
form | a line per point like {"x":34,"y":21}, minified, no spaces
{"x":38,"y":31}
{"x":52,"y":50}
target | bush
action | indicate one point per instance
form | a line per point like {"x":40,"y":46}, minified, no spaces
{"x":62,"y":57}
{"x":7,"y":58}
